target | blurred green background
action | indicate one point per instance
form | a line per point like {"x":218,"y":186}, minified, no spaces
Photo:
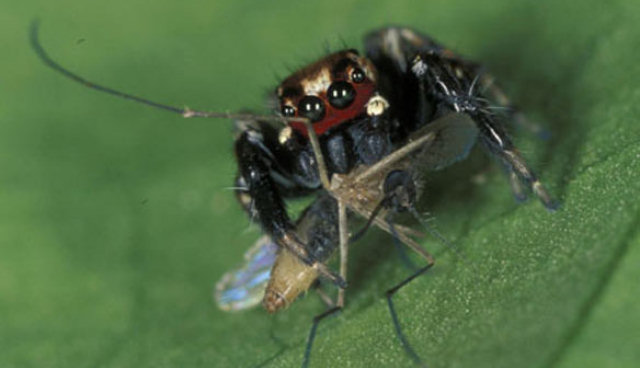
{"x":116,"y":224}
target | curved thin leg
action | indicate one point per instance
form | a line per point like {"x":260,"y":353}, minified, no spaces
{"x":344,"y":247}
{"x":312,"y":332}
{"x":394,"y":316}
{"x":404,"y":257}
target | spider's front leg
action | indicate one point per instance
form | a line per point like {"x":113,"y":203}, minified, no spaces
{"x":266,"y":174}
{"x":455,"y":87}
{"x":434,"y":79}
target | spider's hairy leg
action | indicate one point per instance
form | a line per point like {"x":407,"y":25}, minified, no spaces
{"x":455,"y":82}
{"x":513,"y":114}
{"x":499,"y":144}
{"x":516,"y":186}
{"x":449,"y":83}
{"x":262,"y":185}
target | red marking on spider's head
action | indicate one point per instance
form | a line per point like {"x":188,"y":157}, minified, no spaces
{"x":331,"y":91}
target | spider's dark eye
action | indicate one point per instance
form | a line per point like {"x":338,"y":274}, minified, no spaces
{"x":357,"y":75}
{"x":341,"y":94}
{"x":311,"y":107}
{"x":288,"y":110}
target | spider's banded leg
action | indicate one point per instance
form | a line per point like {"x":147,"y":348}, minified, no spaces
{"x":516,"y":186}
{"x":499,"y":144}
{"x":496,"y":139}
{"x":456,"y":91}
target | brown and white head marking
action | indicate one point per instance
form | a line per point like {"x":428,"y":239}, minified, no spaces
{"x":329,"y":92}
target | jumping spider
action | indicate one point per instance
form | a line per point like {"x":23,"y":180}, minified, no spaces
{"x":410,"y":105}
{"x":359,"y":132}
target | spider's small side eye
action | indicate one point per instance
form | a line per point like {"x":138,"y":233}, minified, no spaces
{"x":288,"y":110}
{"x":357,"y":75}
{"x":311,"y":107}
{"x":341,"y":94}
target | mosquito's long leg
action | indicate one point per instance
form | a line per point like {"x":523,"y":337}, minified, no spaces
{"x":401,"y":235}
{"x":395,"y":156}
{"x":409,"y":231}
{"x":401,"y":251}
{"x":394,"y":316}
{"x":344,"y":255}
{"x":282,"y":349}
{"x":312,"y":332}
{"x":317,"y":152}
{"x":406,"y":240}
{"x":344,"y":248}
{"x":326,"y":299}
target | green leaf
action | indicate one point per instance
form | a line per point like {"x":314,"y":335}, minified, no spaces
{"x":116,"y":224}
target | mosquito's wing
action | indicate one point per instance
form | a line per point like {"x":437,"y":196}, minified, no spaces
{"x":455,"y":135}
{"x":244,"y":287}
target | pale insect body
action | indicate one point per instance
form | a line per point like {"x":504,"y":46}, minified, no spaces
{"x":275,"y":276}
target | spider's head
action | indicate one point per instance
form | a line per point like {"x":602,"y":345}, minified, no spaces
{"x":331,"y":91}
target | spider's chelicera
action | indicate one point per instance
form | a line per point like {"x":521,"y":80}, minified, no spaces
{"x":360,"y":132}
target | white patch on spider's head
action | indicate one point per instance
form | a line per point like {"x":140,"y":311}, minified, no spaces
{"x":285,"y":135}
{"x":317,"y":84}
{"x":377,"y":105}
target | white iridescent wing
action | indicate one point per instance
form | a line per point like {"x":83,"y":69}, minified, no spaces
{"x":244,"y":287}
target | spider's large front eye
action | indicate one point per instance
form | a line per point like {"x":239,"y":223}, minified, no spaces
{"x":311,"y":107}
{"x":341,"y":94}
